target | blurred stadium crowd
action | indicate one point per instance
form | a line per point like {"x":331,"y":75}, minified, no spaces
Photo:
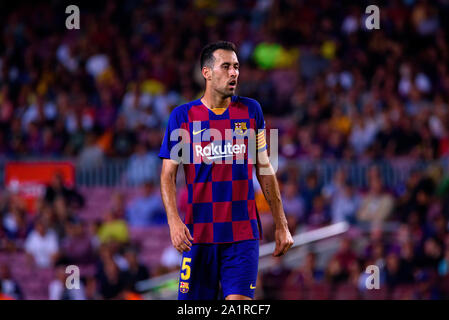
{"x":335,"y":91}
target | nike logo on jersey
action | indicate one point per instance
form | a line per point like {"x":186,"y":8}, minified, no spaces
{"x":196,"y":132}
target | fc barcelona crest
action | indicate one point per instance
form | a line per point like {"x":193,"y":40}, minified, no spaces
{"x":184,"y":287}
{"x":240,"y":128}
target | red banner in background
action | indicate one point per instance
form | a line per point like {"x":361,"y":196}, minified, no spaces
{"x":29,"y":179}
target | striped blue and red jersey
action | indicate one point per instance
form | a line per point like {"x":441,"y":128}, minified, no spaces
{"x":218,"y":152}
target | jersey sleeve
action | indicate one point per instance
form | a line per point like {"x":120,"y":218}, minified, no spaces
{"x":260,"y":134}
{"x":171,"y":139}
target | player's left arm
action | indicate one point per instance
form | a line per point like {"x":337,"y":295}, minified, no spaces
{"x":270,"y":188}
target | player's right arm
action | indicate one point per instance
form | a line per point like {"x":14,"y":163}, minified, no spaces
{"x":179,"y":233}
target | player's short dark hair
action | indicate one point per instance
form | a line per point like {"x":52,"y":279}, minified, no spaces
{"x":207,"y":54}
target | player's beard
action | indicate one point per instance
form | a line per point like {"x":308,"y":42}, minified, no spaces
{"x":225,"y":92}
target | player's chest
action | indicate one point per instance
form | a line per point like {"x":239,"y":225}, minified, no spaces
{"x":221,"y":129}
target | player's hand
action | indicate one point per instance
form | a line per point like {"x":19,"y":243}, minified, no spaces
{"x":180,"y":236}
{"x":284,"y":241}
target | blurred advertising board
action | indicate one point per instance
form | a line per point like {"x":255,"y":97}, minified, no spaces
{"x":29,"y":179}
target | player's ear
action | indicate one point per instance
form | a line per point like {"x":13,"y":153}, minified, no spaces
{"x":207,"y":73}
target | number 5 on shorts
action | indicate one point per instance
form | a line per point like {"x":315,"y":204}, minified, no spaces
{"x":185,"y":268}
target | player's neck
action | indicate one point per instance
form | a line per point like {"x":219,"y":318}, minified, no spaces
{"x":213,"y":101}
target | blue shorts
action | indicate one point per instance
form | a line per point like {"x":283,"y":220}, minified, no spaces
{"x":206,"y":266}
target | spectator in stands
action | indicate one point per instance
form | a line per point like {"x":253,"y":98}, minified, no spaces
{"x":292,"y":203}
{"x":393,"y":273}
{"x":147,"y":209}
{"x":76,"y":247}
{"x":354,"y":272}
{"x":431,"y":254}
{"x":91,"y":289}
{"x":377,"y":247}
{"x":336,"y":186}
{"x":110,"y":251}
{"x":113,"y":282}
{"x":310,"y":191}
{"x":363,"y":276}
{"x":123,"y":140}
{"x":345,"y":254}
{"x":14,"y":222}
{"x":274,"y":278}
{"x":42,"y":245}
{"x":134,"y":104}
{"x":57,"y":289}
{"x":344,"y":204}
{"x":113,"y":229}
{"x":419,"y":200}
{"x":334,"y":273}
{"x":143,"y":166}
{"x":308,"y":273}
{"x":118,"y":204}
{"x":443,"y":266}
{"x":57,"y":188}
{"x":170,"y":260}
{"x":363,"y":133}
{"x":92,"y":155}
{"x":62,"y":214}
{"x":426,"y":288}
{"x":319,"y":215}
{"x":376,"y":205}
{"x":136,"y":271}
{"x":408,"y":261}
{"x":437,"y":226}
{"x":4,"y":296}
{"x":10,"y":287}
{"x":92,"y":231}
{"x":407,"y":196}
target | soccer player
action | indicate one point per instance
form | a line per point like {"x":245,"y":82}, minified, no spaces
{"x":211,"y":136}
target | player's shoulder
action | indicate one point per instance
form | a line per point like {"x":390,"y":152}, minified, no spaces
{"x":181,"y":109}
{"x":181,"y":112}
{"x":252,"y":104}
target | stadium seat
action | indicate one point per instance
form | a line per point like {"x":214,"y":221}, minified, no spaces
{"x":318,"y":291}
{"x":346,"y":291}
{"x":403,"y":292}
{"x":444,"y":286}
{"x":292,"y":291}
{"x":376,"y":294}
{"x":87,"y":270}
